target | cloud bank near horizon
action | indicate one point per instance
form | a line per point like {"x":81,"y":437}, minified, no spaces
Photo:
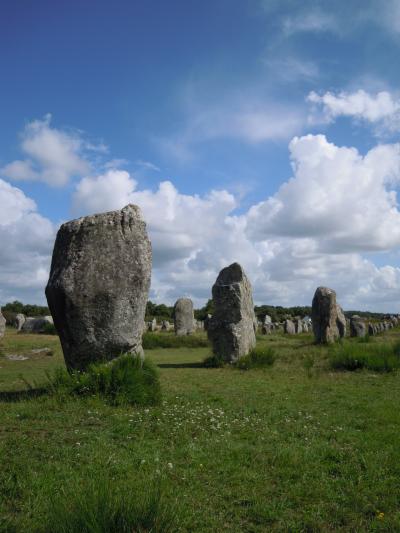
{"x":334,"y":222}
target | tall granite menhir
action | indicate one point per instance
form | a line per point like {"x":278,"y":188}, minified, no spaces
{"x":328,"y":320}
{"x":231,"y":329}
{"x":183,"y":316}
{"x":98,"y":286}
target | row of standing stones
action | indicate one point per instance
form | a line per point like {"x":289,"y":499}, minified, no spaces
{"x":98,"y":288}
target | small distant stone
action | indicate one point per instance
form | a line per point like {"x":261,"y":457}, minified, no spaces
{"x":15,"y":357}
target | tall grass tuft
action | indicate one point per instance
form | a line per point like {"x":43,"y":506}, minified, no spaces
{"x":152,"y":340}
{"x":382,"y":357}
{"x":259,"y":357}
{"x":108,"y":507}
{"x":213,"y":361}
{"x":126,"y":380}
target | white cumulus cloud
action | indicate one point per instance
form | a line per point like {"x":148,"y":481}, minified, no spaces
{"x":26,"y":244}
{"x":51,"y":155}
{"x":381,"y":108}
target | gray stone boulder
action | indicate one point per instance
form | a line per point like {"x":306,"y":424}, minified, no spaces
{"x":231,"y":329}
{"x":36,"y":324}
{"x":358,"y":327}
{"x":327,"y":317}
{"x":98,"y":286}
{"x":2,"y":324}
{"x":371,"y":330}
{"x":183,"y":317}
{"x":289,"y":328}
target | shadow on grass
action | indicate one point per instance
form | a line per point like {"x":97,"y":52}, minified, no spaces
{"x":21,"y":395}
{"x":180,"y":365}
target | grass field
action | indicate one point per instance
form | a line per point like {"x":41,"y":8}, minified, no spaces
{"x":293,"y":447}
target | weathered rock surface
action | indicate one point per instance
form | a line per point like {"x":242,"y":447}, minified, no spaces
{"x":231,"y":329}
{"x":358,"y":327}
{"x":183,"y":316}
{"x":289,"y":327}
{"x":327,"y":317}
{"x":2,"y":324}
{"x":98,"y":286}
{"x":165,"y":325}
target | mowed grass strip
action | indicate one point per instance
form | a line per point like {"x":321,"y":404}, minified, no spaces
{"x":290,"y":447}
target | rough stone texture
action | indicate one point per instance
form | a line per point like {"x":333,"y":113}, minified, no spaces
{"x":98,"y":286}
{"x":183,"y":316}
{"x":289,"y":327}
{"x":358,"y":327}
{"x":19,"y":321}
{"x":327,"y":317}
{"x":165,"y":325}
{"x":231,"y":329}
{"x":305,"y":327}
{"x":36,"y":325}
{"x":371,"y":330}
{"x":2,"y":324}
{"x":267,"y":320}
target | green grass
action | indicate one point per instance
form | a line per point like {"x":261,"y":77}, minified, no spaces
{"x":379,"y":357}
{"x":102,"y":505}
{"x":276,"y":450}
{"x":259,"y":357}
{"x":126,"y":380}
{"x":152,"y":340}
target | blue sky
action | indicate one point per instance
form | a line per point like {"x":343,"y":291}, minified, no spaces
{"x":289,"y":111}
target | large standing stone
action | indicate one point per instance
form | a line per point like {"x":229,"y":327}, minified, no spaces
{"x":98,"y":286}
{"x":2,"y":324}
{"x":358,"y":327}
{"x":328,"y":320}
{"x":231,"y":328}
{"x":288,"y":327}
{"x":183,"y":317}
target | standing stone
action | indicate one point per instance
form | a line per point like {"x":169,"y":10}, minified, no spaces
{"x":36,"y":324}
{"x":231,"y":328}
{"x":183,"y":317}
{"x":98,"y":286}
{"x":341,"y":321}
{"x":266,"y":329}
{"x":165,"y":325}
{"x":305,"y":327}
{"x":152,"y":325}
{"x":371,"y":330}
{"x":358,"y":327}
{"x":19,"y":321}
{"x":267,"y":320}
{"x":2,"y":324}
{"x":289,"y":327}
{"x":327,"y":317}
{"x":298,"y":325}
